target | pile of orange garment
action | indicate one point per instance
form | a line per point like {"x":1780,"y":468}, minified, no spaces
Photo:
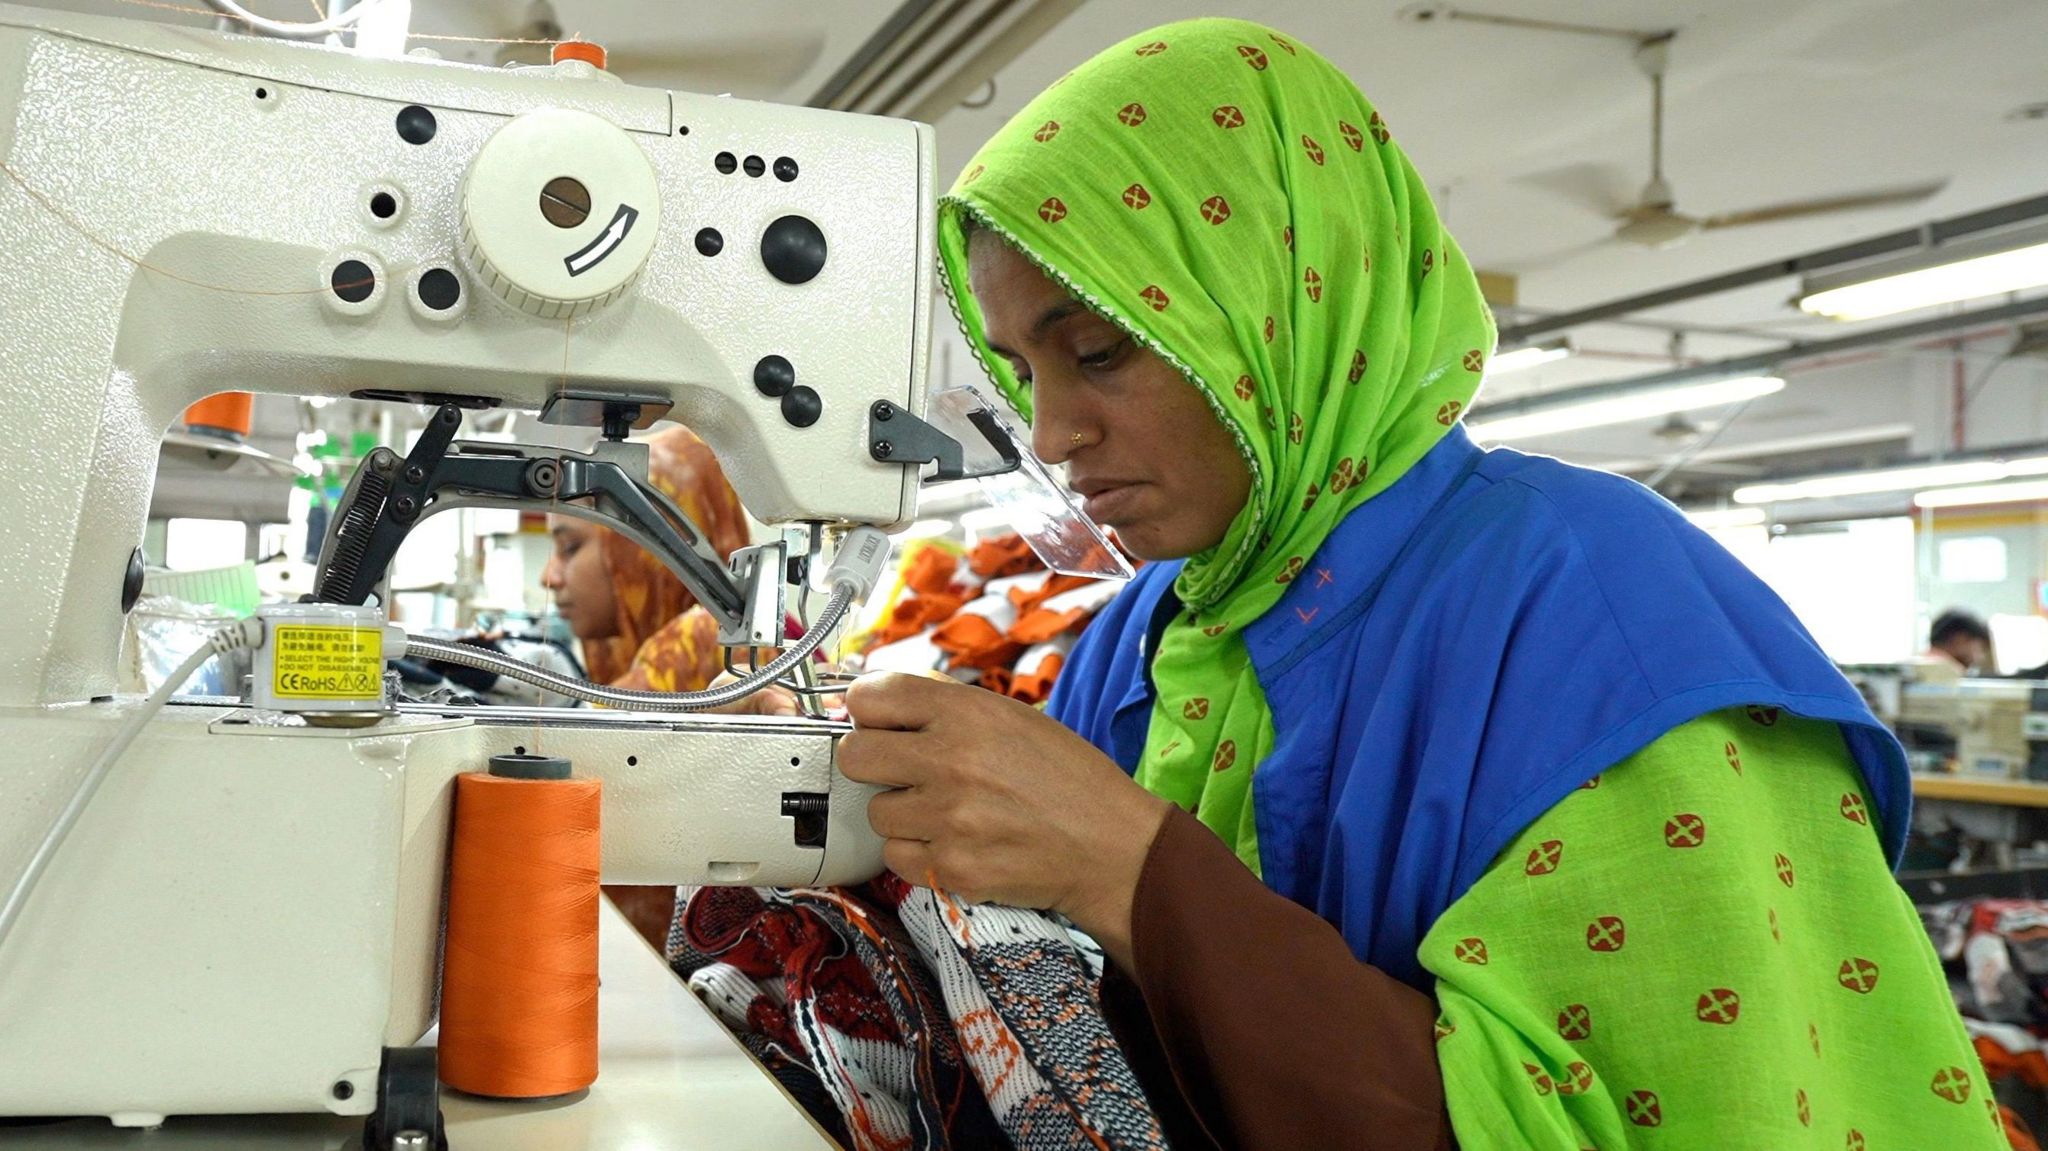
{"x":1000,"y":620}
{"x":2010,"y":1052}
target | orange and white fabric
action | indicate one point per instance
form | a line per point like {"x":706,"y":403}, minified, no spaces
{"x":993,"y":616}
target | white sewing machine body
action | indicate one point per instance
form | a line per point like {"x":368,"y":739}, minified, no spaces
{"x":247,"y":913}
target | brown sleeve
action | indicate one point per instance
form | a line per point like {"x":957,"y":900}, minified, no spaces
{"x":1251,"y":1024}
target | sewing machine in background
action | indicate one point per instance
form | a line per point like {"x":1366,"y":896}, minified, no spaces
{"x":1982,"y":728}
{"x":245,"y":918}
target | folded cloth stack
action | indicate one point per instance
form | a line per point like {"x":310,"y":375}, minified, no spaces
{"x":904,"y":1020}
{"x":1000,"y":620}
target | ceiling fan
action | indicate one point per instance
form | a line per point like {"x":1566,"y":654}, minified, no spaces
{"x":1654,"y":220}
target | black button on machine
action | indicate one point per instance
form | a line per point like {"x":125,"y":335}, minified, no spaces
{"x":793,"y":249}
{"x":774,"y":376}
{"x":131,"y":581}
{"x":785,"y":169}
{"x":709,"y":242}
{"x":802,"y":407}
{"x":353,"y":281}
{"x":439,"y":289}
{"x":416,"y":125}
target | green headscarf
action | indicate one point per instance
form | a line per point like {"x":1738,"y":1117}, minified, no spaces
{"x":1232,"y":201}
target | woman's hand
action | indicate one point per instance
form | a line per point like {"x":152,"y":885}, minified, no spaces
{"x":998,"y":803}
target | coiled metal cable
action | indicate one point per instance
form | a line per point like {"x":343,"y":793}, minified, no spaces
{"x":633,"y":698}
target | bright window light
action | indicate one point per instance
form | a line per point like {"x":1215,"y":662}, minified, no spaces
{"x":1943,"y":284}
{"x":985,"y":521}
{"x":1524,"y":358}
{"x":1714,"y":519}
{"x":2025,"y":491}
{"x":1891,"y":480}
{"x":1853,"y":587}
{"x":1972,"y":559}
{"x":1622,"y":409}
{"x":197,"y":545}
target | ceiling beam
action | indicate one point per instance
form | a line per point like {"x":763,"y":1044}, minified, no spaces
{"x":1765,"y":361}
{"x":1932,"y":235}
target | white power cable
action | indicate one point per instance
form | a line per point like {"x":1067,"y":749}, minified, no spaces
{"x":235,"y":636}
{"x":295,"y":29}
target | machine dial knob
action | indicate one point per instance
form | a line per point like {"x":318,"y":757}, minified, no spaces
{"x":560,"y":210}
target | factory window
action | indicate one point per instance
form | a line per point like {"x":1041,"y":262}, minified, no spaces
{"x":195,"y":545}
{"x":1852,"y":585}
{"x":1973,"y":559}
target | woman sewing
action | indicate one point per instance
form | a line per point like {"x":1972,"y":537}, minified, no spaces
{"x":638,"y":626}
{"x":1418,"y":793}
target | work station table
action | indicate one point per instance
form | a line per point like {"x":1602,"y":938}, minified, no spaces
{"x":670,"y":1078}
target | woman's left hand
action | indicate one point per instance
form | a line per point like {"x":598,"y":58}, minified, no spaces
{"x":998,"y":803}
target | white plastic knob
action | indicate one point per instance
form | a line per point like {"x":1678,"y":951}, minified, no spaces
{"x":560,"y":210}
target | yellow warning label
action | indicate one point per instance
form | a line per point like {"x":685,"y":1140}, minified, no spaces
{"x":324,"y":661}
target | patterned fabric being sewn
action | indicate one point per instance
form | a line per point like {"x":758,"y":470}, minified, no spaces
{"x":905,"y":1020}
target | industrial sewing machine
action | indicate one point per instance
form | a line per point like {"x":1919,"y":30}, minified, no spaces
{"x":245,"y":917}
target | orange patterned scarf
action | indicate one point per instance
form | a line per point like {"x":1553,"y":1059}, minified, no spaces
{"x":656,"y":644}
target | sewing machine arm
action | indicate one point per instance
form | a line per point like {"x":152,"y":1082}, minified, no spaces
{"x":388,"y":496}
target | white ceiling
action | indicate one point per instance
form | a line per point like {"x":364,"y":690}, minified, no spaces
{"x":1767,"y":101}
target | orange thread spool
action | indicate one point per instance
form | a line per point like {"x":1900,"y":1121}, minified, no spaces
{"x":223,"y":411}
{"x":584,"y":50}
{"x":519,"y":973}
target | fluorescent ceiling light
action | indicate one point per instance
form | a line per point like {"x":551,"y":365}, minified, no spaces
{"x":1713,"y":518}
{"x":1529,"y":357}
{"x":2025,"y":491}
{"x":1624,"y":408}
{"x":1872,"y":483}
{"x":1892,"y":480}
{"x":1965,"y":279}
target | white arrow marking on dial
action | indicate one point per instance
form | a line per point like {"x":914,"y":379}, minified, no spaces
{"x":594,"y":253}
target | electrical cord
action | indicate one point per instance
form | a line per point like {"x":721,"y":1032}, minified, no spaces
{"x":851,"y":575}
{"x":234,"y":637}
{"x":295,"y":29}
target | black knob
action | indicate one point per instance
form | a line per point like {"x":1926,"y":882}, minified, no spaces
{"x":793,"y":249}
{"x":774,"y":376}
{"x":802,"y":407}
{"x":439,"y":289}
{"x":131,"y":581}
{"x":416,"y":125}
{"x":353,"y":281}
